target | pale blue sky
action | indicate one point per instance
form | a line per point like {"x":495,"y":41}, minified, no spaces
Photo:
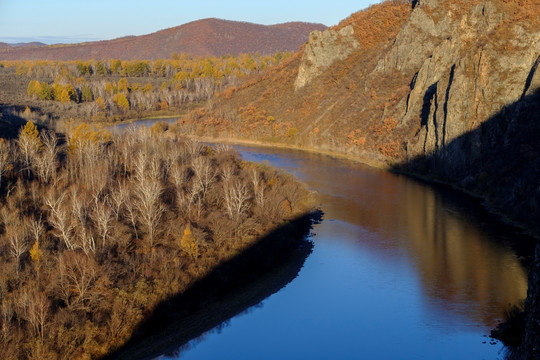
{"x":52,"y":21}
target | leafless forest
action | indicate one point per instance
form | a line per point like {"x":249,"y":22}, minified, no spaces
{"x":96,"y":229}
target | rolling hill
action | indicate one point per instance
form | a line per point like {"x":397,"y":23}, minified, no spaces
{"x":212,"y":37}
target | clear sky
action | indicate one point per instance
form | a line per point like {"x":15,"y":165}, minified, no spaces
{"x":52,"y":21}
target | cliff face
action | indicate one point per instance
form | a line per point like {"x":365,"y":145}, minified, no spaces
{"x":468,"y":63}
{"x":444,"y":88}
{"x":322,"y":50}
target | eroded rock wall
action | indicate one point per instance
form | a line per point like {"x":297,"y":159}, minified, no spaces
{"x":464,"y":71}
{"x":322,"y":50}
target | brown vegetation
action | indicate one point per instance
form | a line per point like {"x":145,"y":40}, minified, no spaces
{"x":207,"y":37}
{"x":96,"y":230}
{"x":378,"y":23}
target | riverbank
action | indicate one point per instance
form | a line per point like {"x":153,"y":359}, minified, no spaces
{"x":526,"y":329}
{"x":504,"y":217}
{"x":230,"y":289}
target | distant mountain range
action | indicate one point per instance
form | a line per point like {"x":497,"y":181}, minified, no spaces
{"x":213,"y":37}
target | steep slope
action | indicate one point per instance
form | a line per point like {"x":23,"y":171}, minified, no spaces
{"x":213,"y":37}
{"x":402,"y":82}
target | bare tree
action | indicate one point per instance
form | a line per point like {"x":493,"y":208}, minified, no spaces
{"x":227,"y":173}
{"x":7,"y":313}
{"x":118,"y":198}
{"x":77,"y":278}
{"x":29,"y":146}
{"x":36,"y":228}
{"x":47,"y":160}
{"x":17,"y":242}
{"x":148,"y":204}
{"x":192,"y":148}
{"x":131,"y":213}
{"x":38,"y":311}
{"x":205,"y":174}
{"x":236,"y":198}
{"x":258,"y":187}
{"x":103,"y":216}
{"x":60,"y":219}
{"x":4,"y":159}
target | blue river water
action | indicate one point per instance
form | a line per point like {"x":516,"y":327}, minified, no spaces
{"x":399,"y":270}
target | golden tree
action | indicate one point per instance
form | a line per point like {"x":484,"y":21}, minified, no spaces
{"x":121,"y":101}
{"x":188,"y":243}
{"x":29,"y":143}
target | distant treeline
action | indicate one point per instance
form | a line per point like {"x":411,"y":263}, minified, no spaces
{"x":115,"y":89}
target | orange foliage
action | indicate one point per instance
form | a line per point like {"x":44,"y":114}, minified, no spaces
{"x":355,"y":138}
{"x":390,"y":149}
{"x":378,"y":23}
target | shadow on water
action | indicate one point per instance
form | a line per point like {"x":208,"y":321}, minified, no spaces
{"x":232,"y":288}
{"x":500,"y":162}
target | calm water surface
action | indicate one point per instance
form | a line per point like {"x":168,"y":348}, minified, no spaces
{"x":399,"y":271}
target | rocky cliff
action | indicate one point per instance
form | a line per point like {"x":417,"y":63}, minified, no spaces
{"x":322,"y":50}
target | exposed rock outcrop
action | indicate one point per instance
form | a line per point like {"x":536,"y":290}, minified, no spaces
{"x":322,"y":50}
{"x":464,"y":71}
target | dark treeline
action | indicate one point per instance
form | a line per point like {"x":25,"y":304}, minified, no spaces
{"x":97,"y":229}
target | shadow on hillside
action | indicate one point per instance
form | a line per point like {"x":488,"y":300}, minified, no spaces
{"x":11,"y":122}
{"x":230,"y":289}
{"x":499,"y":162}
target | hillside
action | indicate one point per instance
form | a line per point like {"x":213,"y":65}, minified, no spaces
{"x":399,"y":82}
{"x":207,"y":37}
{"x":447,"y":90}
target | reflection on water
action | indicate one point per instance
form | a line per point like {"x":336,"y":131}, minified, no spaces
{"x":465,"y":270}
{"x":431,"y":249}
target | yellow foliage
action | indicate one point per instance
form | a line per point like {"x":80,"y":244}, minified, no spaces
{"x":57,"y":91}
{"x":34,"y":87}
{"x":30,"y":130}
{"x":158,"y":128}
{"x":64,"y":96}
{"x":123,"y":85}
{"x":121,"y":101}
{"x":84,"y":133}
{"x":36,"y":253}
{"x":101,"y":104}
{"x":188,"y":243}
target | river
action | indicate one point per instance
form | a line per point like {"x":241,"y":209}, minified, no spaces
{"x":399,"y":270}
